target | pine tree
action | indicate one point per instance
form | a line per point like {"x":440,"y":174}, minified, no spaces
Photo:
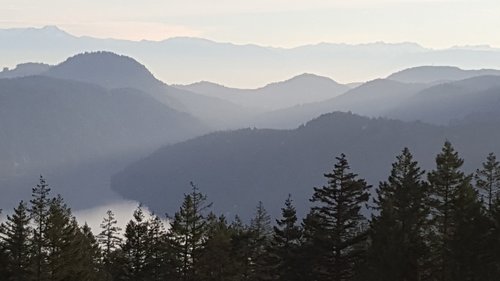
{"x":135,"y":247}
{"x":216,"y":262}
{"x":488,"y":180}
{"x":91,"y":256}
{"x":16,"y":233}
{"x":39,"y":213}
{"x":3,"y":256}
{"x":187,"y":234}
{"x":64,"y":256}
{"x":259,"y":232}
{"x":456,"y":218}
{"x":109,"y":238}
{"x":399,"y":250}
{"x":285,"y":245}
{"x":158,"y":259}
{"x":241,"y":250}
{"x":335,"y":227}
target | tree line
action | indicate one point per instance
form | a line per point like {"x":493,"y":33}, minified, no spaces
{"x":443,"y":225}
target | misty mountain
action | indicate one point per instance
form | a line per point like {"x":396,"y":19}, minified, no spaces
{"x":186,"y":60}
{"x":25,"y":69}
{"x":433,"y":74}
{"x":374,"y":98}
{"x":301,"y":89}
{"x":237,"y":169}
{"x":77,"y":134}
{"x":452,"y":101}
{"x":114,"y":71}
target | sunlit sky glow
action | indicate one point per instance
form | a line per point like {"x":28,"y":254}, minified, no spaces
{"x":285,"y":23}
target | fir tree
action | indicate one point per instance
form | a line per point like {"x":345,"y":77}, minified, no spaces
{"x":16,"y":233}
{"x":456,"y":218}
{"x":135,"y":247}
{"x":399,"y":232}
{"x":187,"y":233}
{"x":3,"y":256}
{"x":488,"y":180}
{"x":109,"y":238}
{"x":40,"y":203}
{"x":64,"y":258}
{"x":91,"y":256}
{"x":216,"y":262}
{"x":260,"y":231}
{"x":285,"y":245}
{"x":335,"y":227}
{"x":158,"y":257}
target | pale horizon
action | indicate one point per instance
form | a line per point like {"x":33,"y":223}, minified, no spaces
{"x":435,"y":24}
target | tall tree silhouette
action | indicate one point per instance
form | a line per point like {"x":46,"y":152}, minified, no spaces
{"x":399,"y":232}
{"x":187,"y":233}
{"x":335,"y":227}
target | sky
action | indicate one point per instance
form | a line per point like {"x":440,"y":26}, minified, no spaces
{"x":279,"y":23}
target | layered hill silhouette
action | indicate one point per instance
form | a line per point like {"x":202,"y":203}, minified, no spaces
{"x":435,"y":74}
{"x":187,"y":60}
{"x":53,"y":126}
{"x":111,"y":71}
{"x":238,"y":168}
{"x":301,"y":89}
{"x":82,"y":120}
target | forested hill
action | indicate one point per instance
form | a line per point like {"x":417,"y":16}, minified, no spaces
{"x":238,"y":167}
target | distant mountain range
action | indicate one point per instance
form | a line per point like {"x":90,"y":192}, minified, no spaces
{"x":301,"y":89}
{"x":188,"y":60}
{"x":85,"y":119}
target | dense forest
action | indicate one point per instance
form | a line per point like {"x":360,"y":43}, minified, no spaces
{"x":438,"y":225}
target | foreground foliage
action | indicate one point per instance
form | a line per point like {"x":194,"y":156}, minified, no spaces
{"x":443,"y":225}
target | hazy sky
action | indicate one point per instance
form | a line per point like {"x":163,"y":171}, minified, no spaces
{"x":432,"y":23}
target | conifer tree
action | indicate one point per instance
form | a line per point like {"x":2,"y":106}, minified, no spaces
{"x":260,"y":231}
{"x":135,"y":247}
{"x":187,"y":233}
{"x":158,"y":257}
{"x":3,"y":256}
{"x":399,"y":233}
{"x":40,"y":203}
{"x":91,"y":256}
{"x":456,"y":218}
{"x":109,"y":238}
{"x":241,"y":248}
{"x":16,"y":234}
{"x":335,"y":227}
{"x":64,"y":256}
{"x":488,"y":180}
{"x":285,"y":245}
{"x":216,"y":261}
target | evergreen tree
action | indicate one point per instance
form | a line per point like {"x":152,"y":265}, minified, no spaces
{"x":260,"y":231}
{"x":109,"y":238}
{"x":16,"y":234}
{"x":158,"y":259}
{"x":488,"y":180}
{"x":3,"y":256}
{"x":456,"y":218}
{"x":398,"y":250}
{"x":216,"y":261}
{"x":91,"y":256}
{"x":335,"y":226}
{"x":241,"y":250}
{"x":40,"y":203}
{"x":65,"y":260}
{"x":187,"y":234}
{"x":135,"y":247}
{"x":285,"y":245}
